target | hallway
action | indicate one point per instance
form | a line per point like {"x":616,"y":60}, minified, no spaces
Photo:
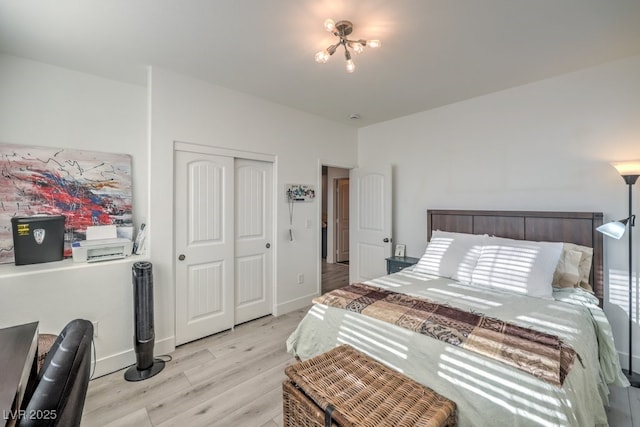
{"x":334,"y":276}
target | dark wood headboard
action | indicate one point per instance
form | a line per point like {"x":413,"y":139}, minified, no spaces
{"x":570,"y":227}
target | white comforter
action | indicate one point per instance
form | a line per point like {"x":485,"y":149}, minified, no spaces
{"x":487,"y":392}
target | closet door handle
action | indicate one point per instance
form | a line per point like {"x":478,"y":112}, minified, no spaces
{"x":386,"y":240}
{"x":268,"y":245}
{"x":181,"y":257}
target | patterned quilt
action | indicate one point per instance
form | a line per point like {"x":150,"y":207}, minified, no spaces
{"x":540,"y":354}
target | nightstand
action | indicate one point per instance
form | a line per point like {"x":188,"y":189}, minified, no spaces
{"x":397,"y":263}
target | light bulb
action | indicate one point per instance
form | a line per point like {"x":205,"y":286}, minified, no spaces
{"x":329,"y":25}
{"x":350,"y":66}
{"x":373,"y":43}
{"x":357,"y":47}
{"x":322,"y":57}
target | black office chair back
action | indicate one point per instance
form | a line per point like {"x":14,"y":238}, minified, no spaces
{"x":59,"y":395}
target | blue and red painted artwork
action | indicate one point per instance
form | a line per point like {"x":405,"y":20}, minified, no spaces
{"x":89,"y":188}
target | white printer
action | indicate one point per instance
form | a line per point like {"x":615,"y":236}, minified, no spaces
{"x":101,"y":245}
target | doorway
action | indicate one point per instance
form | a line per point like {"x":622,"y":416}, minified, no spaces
{"x":335,"y":228}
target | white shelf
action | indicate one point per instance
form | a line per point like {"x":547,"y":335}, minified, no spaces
{"x":12,"y":270}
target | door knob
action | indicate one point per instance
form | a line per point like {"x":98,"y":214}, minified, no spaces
{"x":181,"y":257}
{"x":386,"y":240}
{"x":268,"y":245}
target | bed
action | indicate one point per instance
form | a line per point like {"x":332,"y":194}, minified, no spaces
{"x":489,"y":392}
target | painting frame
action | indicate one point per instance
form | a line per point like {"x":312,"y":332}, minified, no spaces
{"x":87,"y":187}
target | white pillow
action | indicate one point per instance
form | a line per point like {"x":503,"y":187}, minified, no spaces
{"x":518,"y":266}
{"x":452,"y":255}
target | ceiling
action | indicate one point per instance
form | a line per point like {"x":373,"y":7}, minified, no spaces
{"x":434,"y":52}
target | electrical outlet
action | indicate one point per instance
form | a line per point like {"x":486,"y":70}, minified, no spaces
{"x":95,"y":328}
{"x":300,"y":279}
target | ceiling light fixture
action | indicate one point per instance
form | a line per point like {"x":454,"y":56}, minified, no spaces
{"x":342,"y":29}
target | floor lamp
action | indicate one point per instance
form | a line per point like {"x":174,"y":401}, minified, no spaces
{"x":629,"y":171}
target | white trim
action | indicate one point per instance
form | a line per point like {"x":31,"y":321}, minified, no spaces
{"x":118,"y":361}
{"x":335,"y":164}
{"x":295,"y":304}
{"x":274,"y":243}
{"x":217,"y":151}
{"x":623,"y":356}
{"x":331,"y":164}
{"x":12,"y":270}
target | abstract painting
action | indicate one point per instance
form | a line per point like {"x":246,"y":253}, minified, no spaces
{"x":87,"y":187}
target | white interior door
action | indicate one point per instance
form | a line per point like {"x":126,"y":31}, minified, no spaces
{"x":342,"y":219}
{"x":370,"y":219}
{"x":254,"y":224}
{"x":204,"y":244}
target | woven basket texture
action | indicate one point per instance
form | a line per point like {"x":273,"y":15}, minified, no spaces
{"x":364,"y":392}
{"x":45,"y":342}
{"x":299,"y":410}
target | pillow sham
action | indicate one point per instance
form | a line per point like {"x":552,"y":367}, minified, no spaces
{"x":517,"y":265}
{"x":585,"y":263}
{"x":567,"y":273}
{"x":574,"y":257}
{"x":452,"y":255}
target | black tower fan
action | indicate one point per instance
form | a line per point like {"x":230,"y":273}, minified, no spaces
{"x":146,"y":366}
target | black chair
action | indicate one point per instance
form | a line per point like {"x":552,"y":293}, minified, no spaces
{"x":61,"y":387}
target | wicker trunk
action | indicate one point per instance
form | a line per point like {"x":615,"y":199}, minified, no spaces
{"x":359,"y":392}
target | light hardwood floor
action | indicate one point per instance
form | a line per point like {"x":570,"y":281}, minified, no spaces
{"x":234,"y":379}
{"x":334,"y":276}
{"x":624,"y":407}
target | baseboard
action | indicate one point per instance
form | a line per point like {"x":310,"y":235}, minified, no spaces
{"x":624,"y":361}
{"x":293,"y":305}
{"x":115,"y":362}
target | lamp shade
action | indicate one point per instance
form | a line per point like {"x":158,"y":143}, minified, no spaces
{"x":614,"y":229}
{"x":629,"y":167}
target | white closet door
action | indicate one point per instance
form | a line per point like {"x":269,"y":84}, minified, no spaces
{"x":204,"y":243}
{"x":253,"y":231}
{"x":370,"y":220}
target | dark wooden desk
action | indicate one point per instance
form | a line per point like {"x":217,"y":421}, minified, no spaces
{"x":18,"y":359}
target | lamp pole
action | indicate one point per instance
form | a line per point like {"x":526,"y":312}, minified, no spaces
{"x":630,"y":171}
{"x":633,"y":378}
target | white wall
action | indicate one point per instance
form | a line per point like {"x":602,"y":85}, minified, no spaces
{"x":543,"y":146}
{"x":540,"y":146}
{"x":188,"y":110}
{"x":51,"y":106}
